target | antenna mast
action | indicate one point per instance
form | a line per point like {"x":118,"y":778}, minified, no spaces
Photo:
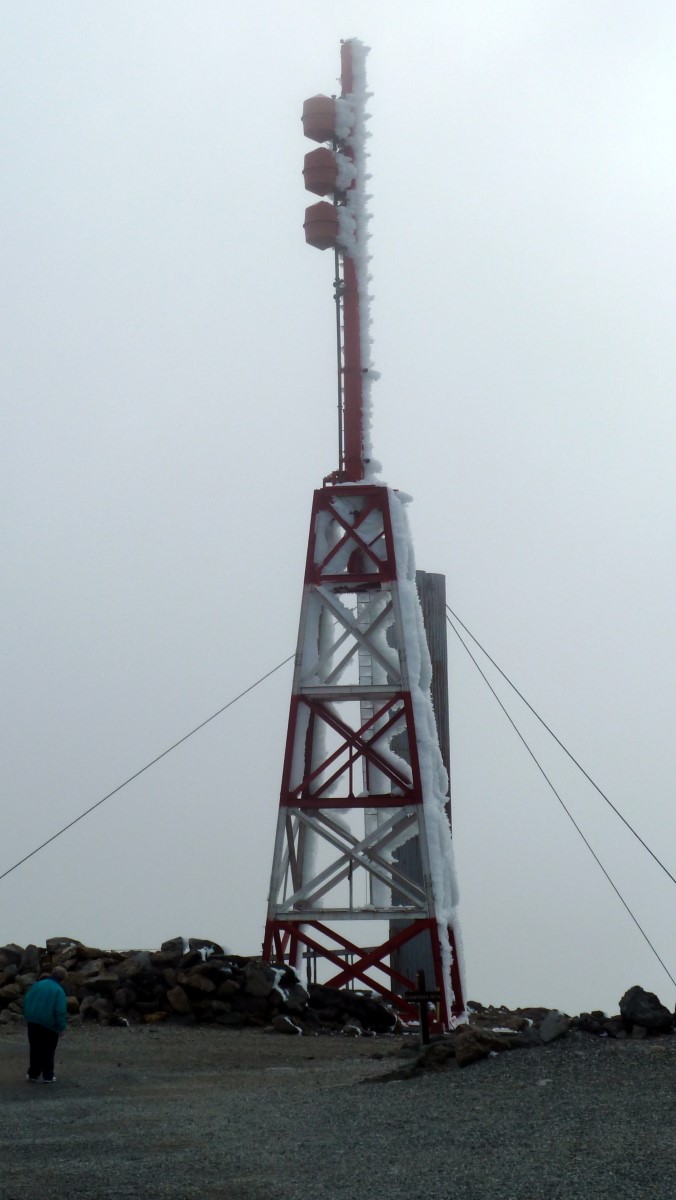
{"x":363,"y":773}
{"x":341,"y":172}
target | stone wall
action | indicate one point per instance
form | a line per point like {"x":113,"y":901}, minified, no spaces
{"x":185,"y":983}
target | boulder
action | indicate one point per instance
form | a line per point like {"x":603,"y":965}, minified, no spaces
{"x":56,"y":945}
{"x":555,"y":1025}
{"x":227,"y":989}
{"x":173,"y":946}
{"x":310,"y":1021}
{"x":178,"y":1000}
{"x":535,"y":1015}
{"x":503,"y":1020}
{"x":371,"y":1014}
{"x":295,"y":996}
{"x":613,"y":1027}
{"x":11,"y":953}
{"x":76,"y":980}
{"x":638,"y":1007}
{"x":8,"y":973}
{"x":132,"y":966}
{"x":255,"y":1007}
{"x":205,"y":946}
{"x":473,"y":1044}
{"x":87,"y":970}
{"x":215,"y":968}
{"x":30,"y":961}
{"x":587,"y":1023}
{"x":192,"y":959}
{"x":198,"y":983}
{"x":260,"y":979}
{"x":438,"y":1055}
{"x":219,"y":1006}
{"x":11,"y":991}
{"x":103,"y":979}
{"x":87,"y":1010}
{"x":334,"y":1006}
{"x":124,"y":997}
{"x":65,"y":958}
{"x":86,"y":953}
{"x":164,"y":958}
{"x":284,"y":1024}
{"x":26,"y":981}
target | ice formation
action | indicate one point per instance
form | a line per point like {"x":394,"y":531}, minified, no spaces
{"x":434,"y":778}
{"x":354,"y":217}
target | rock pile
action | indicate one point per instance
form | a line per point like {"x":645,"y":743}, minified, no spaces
{"x":488,"y":1031}
{"x":641,"y":1010}
{"x":641,"y":1015}
{"x":493,"y":1030}
{"x":198,"y":981}
{"x":186,"y":984}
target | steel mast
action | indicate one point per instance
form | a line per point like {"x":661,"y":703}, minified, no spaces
{"x":362,"y":669}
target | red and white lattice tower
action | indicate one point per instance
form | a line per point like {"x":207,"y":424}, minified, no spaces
{"x":362,"y":668}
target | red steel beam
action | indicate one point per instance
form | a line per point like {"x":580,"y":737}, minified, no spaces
{"x":353,"y":414}
{"x":353,"y":403}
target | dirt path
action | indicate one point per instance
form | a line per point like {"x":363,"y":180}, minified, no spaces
{"x":148,"y":1111}
{"x":211,"y":1114}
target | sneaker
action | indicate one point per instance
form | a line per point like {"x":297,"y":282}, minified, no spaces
{"x":52,"y":1080}
{"x":29,"y":1079}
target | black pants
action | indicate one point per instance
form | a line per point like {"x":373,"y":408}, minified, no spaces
{"x":43,"y":1043}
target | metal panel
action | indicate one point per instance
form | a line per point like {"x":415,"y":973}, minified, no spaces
{"x":411,"y":957}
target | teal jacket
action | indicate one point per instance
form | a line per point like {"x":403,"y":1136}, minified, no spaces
{"x":45,"y":1004}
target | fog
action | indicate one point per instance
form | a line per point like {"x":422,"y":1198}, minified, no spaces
{"x":168,"y":374}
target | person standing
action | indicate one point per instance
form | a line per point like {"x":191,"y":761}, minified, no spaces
{"x":44,"y":1011}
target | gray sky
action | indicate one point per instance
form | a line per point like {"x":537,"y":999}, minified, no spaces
{"x":169,"y":389}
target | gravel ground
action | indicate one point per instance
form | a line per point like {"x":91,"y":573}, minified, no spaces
{"x":210,"y":1113}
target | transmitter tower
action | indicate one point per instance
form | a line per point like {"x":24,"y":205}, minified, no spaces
{"x":362,"y":773}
